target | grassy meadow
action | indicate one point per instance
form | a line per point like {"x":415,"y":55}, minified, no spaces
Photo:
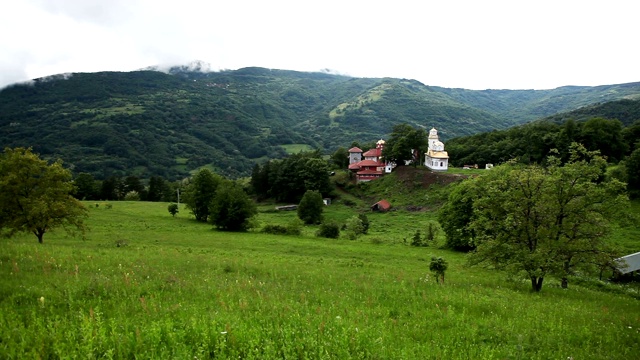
{"x":146,"y":285}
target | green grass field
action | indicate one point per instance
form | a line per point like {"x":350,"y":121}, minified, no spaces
{"x":146,"y":285}
{"x":296,"y":148}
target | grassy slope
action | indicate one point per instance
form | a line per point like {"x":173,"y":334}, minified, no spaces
{"x":181,"y":290}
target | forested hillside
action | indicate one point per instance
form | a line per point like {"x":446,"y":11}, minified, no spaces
{"x":147,"y":123}
{"x":613,"y":128}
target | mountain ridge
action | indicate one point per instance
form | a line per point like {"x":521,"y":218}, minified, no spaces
{"x":156,"y":123}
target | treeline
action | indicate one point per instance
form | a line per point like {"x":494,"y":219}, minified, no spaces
{"x":126,"y":188}
{"x":288,"y":179}
{"x":532,"y":142}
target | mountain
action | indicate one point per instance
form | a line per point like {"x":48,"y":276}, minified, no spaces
{"x":625,"y":110}
{"x":169,"y":123}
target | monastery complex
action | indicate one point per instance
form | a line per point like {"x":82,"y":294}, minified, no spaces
{"x":371,"y":165}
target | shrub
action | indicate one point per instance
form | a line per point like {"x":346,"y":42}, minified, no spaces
{"x":294,"y":227}
{"x":354,"y":228}
{"x":132,"y":196}
{"x":365,"y":223}
{"x":311,"y":207}
{"x":417,"y":240}
{"x":431,"y":234}
{"x":438,"y":266}
{"x":173,"y":209}
{"x":274,"y":229}
{"x":329,"y":230}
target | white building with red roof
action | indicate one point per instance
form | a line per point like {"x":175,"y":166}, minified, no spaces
{"x":436,"y":158}
{"x":372,"y":166}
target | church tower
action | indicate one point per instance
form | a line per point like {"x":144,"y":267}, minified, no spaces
{"x":436,"y":158}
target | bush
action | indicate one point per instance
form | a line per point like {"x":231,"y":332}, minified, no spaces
{"x":438,"y":266}
{"x":295,"y":227}
{"x":365,"y":223}
{"x":311,"y":207}
{"x":274,"y":229}
{"x":132,"y":196}
{"x":354,"y":228}
{"x":329,"y":230}
{"x":417,"y":239}
{"x":173,"y":209}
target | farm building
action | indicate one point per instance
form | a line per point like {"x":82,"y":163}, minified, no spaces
{"x":629,"y":263}
{"x":382,"y":205}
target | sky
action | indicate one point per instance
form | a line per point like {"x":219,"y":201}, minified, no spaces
{"x":471,"y":44}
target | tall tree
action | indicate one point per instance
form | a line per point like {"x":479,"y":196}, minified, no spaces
{"x":157,"y":189}
{"x":606,"y":136}
{"x":231,"y":208}
{"x":405,"y":144}
{"x":200,"y":193}
{"x":546,"y":221}
{"x":112,"y":188}
{"x":86,"y":188}
{"x":340,"y":158}
{"x":133,"y":184}
{"x":633,"y":173}
{"x":36,"y":197}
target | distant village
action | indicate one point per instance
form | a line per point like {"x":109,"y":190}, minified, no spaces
{"x":370,"y":165}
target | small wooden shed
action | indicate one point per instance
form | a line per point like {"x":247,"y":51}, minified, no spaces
{"x":382,"y":205}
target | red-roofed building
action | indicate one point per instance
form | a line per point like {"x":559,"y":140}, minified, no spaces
{"x":372,"y":167}
{"x":382,"y":205}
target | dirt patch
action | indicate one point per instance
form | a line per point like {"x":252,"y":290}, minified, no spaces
{"x":426,"y":177}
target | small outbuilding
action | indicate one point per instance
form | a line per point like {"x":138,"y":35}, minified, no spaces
{"x":629,"y":263}
{"x":382,"y":205}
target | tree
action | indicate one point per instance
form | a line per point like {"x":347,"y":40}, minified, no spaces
{"x":200,"y":192}
{"x":457,"y":213}
{"x":633,"y":173}
{"x":231,"y":208}
{"x":85,"y":187}
{"x":133,"y":183}
{"x":606,"y":136}
{"x":36,"y":197}
{"x":631,"y":136}
{"x":173,"y":209}
{"x":340,"y":158}
{"x":157,"y":188}
{"x":546,"y":221}
{"x":405,"y":144}
{"x":112,"y":189}
{"x":311,"y":207}
{"x":438,"y":266}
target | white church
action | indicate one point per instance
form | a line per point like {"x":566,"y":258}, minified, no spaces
{"x":436,"y":158}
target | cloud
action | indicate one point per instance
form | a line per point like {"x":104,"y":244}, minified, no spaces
{"x":471,"y":44}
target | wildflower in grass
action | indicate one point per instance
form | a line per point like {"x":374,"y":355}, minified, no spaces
{"x":41,"y":300}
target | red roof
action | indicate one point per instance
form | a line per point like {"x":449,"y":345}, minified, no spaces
{"x":373,"y":152}
{"x":369,"y":163}
{"x":355,"y":150}
{"x":381,"y":205}
{"x":354,"y":166}
{"x":369,"y":172}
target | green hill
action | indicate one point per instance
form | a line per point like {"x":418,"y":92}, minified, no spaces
{"x":152,"y":123}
